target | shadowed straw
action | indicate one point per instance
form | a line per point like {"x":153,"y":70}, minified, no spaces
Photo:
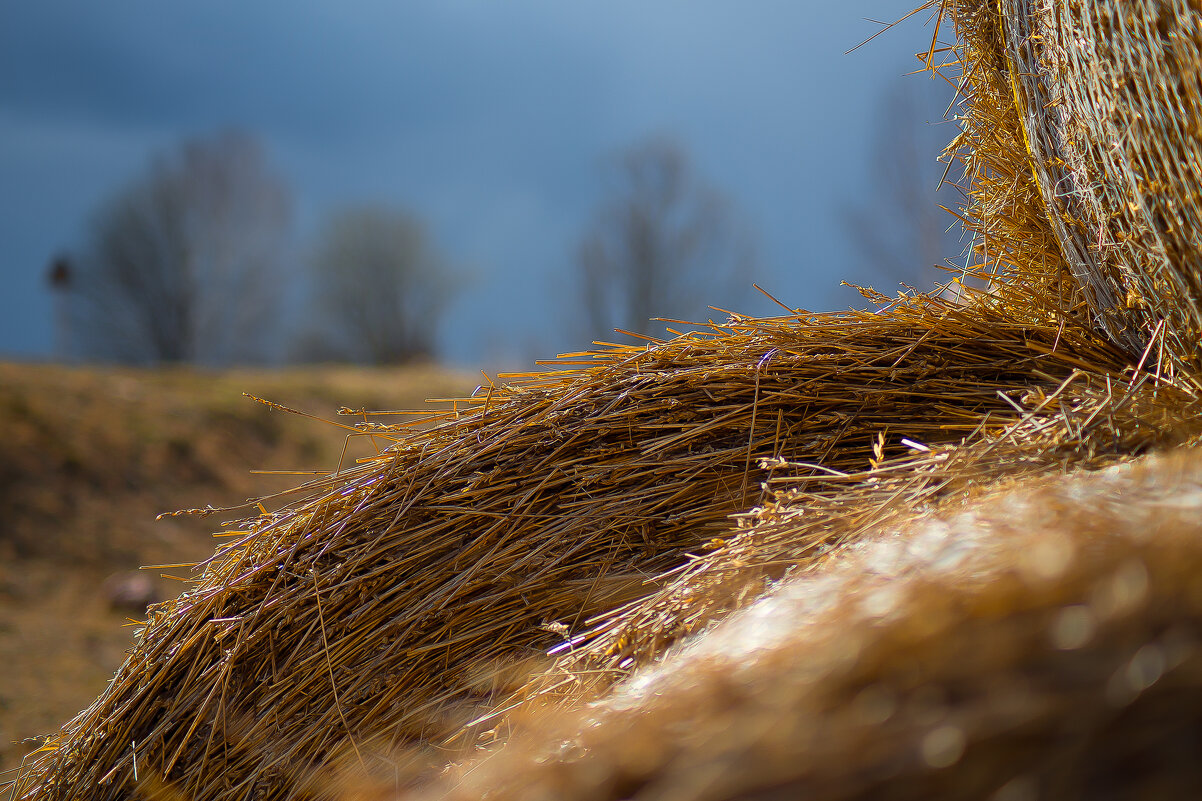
{"x":588,"y":508}
{"x":1042,"y":642}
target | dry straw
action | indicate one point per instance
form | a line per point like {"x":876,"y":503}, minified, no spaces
{"x":587,"y":510}
{"x":1083,"y":143}
{"x":1081,"y":424}
{"x":1041,"y":642}
{"x":360,"y":620}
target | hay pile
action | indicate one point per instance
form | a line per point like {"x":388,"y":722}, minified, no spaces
{"x":587,"y":510}
{"x":359,"y":620}
{"x":1045,"y":642}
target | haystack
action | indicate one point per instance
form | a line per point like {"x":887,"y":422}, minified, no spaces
{"x":362,"y":620}
{"x":1110,"y":99}
{"x":603,"y":509}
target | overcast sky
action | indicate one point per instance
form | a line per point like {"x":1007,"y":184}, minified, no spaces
{"x":489,"y":119}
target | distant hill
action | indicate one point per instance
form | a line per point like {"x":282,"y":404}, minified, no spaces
{"x":90,"y":456}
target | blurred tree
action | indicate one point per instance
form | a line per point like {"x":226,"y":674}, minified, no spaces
{"x":899,"y":231}
{"x":380,"y":289}
{"x":183,"y":265}
{"x":664,"y":244}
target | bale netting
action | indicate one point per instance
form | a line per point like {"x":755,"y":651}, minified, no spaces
{"x":1083,"y":142}
{"x":364,"y":619}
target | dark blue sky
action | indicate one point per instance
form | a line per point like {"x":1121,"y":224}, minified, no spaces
{"x":490,"y":119}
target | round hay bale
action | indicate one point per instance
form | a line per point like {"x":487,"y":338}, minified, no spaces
{"x":1109,"y":117}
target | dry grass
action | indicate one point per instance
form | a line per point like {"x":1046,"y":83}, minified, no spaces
{"x":89,"y":457}
{"x":89,"y":453}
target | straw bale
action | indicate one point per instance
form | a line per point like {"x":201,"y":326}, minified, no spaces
{"x":1042,"y":642}
{"x":1101,"y":137}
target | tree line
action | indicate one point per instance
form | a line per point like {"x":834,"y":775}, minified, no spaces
{"x":193,"y":262}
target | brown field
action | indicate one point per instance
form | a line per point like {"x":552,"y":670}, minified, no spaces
{"x":90,"y":456}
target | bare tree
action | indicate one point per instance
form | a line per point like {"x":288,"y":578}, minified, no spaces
{"x":380,"y":288}
{"x":183,"y":265}
{"x":900,"y":231}
{"x":663,"y":244}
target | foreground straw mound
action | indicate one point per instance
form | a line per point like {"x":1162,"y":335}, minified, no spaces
{"x":608,"y":509}
{"x":1045,"y":642}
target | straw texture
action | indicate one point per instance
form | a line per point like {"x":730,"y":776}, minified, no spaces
{"x":1083,"y":142}
{"x":1041,"y":642}
{"x":626,"y":497}
{"x":1082,"y":424}
{"x":366,"y":615}
{"x":1112,"y":90}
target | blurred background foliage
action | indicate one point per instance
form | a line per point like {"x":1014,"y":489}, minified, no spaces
{"x":194,"y":260}
{"x":519,"y":180}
